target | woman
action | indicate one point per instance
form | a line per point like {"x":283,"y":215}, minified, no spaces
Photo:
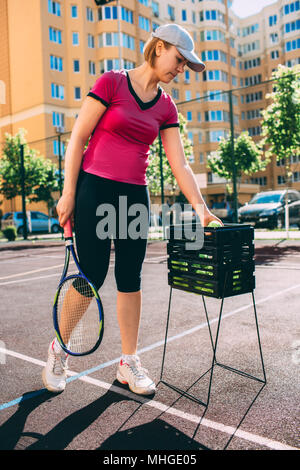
{"x":124,"y":112}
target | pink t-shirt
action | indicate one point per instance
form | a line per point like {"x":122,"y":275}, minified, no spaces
{"x":119,"y":146}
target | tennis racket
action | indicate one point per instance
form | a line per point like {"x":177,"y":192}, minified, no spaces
{"x":77,"y":311}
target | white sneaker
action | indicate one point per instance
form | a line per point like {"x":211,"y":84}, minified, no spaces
{"x":136,"y":377}
{"x":54,"y":373}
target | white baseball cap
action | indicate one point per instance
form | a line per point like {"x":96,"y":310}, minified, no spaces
{"x":181,"y":39}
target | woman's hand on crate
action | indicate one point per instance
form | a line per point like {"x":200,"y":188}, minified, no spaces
{"x":209,"y":217}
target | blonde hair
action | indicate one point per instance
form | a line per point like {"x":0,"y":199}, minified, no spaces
{"x":149,"y":49}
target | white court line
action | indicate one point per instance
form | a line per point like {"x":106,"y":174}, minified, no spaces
{"x":50,"y":275}
{"x":31,"y":272}
{"x":254,"y":438}
{"x":35,"y":278}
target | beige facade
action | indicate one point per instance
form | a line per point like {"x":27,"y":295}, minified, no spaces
{"x":53,"y":51}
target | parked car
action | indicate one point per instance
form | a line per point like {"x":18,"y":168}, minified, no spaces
{"x":38,"y":222}
{"x":267,"y":209}
{"x":223,"y":210}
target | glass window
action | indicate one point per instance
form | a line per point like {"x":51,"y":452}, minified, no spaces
{"x":74,"y":11}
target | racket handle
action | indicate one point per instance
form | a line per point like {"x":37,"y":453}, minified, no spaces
{"x":68,"y":230}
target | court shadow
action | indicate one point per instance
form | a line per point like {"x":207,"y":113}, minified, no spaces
{"x":274,"y":253}
{"x":156,"y":435}
{"x":59,"y":437}
{"x":243,"y":416}
{"x":11,"y":432}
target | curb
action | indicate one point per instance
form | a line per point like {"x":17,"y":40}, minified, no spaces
{"x":29,"y":244}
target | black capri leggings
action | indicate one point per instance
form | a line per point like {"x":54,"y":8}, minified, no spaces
{"x":94,"y":250}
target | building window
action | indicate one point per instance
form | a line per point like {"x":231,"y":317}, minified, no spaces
{"x":183,"y":15}
{"x":189,"y":116}
{"x":57,"y":91}
{"x":280,"y":179}
{"x":77,"y":93}
{"x":110,"y":13}
{"x":76,"y":65}
{"x":56,"y":63}
{"x":188,"y":95}
{"x":250,"y":30}
{"x":274,"y":54}
{"x":56,"y":152}
{"x":254,"y":131}
{"x":89,"y":14}
{"x":91,"y":42}
{"x":214,"y":55}
{"x":272,"y":20}
{"x":274,"y":38}
{"x":58,"y":119}
{"x":55,"y":35}
{"x":144,"y":23}
{"x":142,"y":45}
{"x":108,"y":39}
{"x":215,"y":75}
{"x":292,"y":45}
{"x":128,"y":41}
{"x":54,"y":8}
{"x":113,"y":64}
{"x":253,"y":80}
{"x":92,"y":68}
{"x":251,"y":97}
{"x":175,"y":93}
{"x":190,"y":136}
{"x":249,"y":64}
{"x":212,"y":35}
{"x":186,"y":76}
{"x":171,"y":12}
{"x":74,"y":11}
{"x":292,"y":26}
{"x":127,"y":15}
{"x":75,"y":39}
{"x":155,"y":9}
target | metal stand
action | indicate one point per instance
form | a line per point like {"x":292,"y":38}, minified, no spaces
{"x":214,"y":348}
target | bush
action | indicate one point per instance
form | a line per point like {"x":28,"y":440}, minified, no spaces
{"x":10,"y":233}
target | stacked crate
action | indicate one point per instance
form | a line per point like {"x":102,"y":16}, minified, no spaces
{"x":223,"y":267}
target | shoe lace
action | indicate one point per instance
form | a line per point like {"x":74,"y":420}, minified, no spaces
{"x":137,"y":370}
{"x":58,"y":364}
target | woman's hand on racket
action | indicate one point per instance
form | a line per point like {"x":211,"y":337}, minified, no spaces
{"x":65,"y":208}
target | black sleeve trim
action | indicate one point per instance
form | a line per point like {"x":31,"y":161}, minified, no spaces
{"x":98,"y":98}
{"x":166,"y":126}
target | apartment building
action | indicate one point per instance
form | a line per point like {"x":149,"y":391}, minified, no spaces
{"x":54,"y":50}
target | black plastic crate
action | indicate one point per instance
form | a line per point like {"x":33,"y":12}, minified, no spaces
{"x":224,"y":266}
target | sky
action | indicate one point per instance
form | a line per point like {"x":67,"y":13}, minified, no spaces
{"x":244,"y":8}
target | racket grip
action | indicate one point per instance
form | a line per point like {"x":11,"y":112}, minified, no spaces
{"x":68,"y":231}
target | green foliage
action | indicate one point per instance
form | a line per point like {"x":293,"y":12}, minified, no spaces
{"x":40,"y":173}
{"x":153,"y":170}
{"x":247,"y":157}
{"x":10,"y":233}
{"x":281,"y":119}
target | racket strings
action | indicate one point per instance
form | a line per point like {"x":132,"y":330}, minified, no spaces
{"x":78,"y":315}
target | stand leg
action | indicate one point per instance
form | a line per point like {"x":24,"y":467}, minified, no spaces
{"x":166,"y":335}
{"x":240,"y":372}
{"x":214,"y":345}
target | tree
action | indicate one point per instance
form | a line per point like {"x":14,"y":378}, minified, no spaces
{"x":153,"y":170}
{"x":40,"y":173}
{"x":281,"y":120}
{"x":247,"y":158}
